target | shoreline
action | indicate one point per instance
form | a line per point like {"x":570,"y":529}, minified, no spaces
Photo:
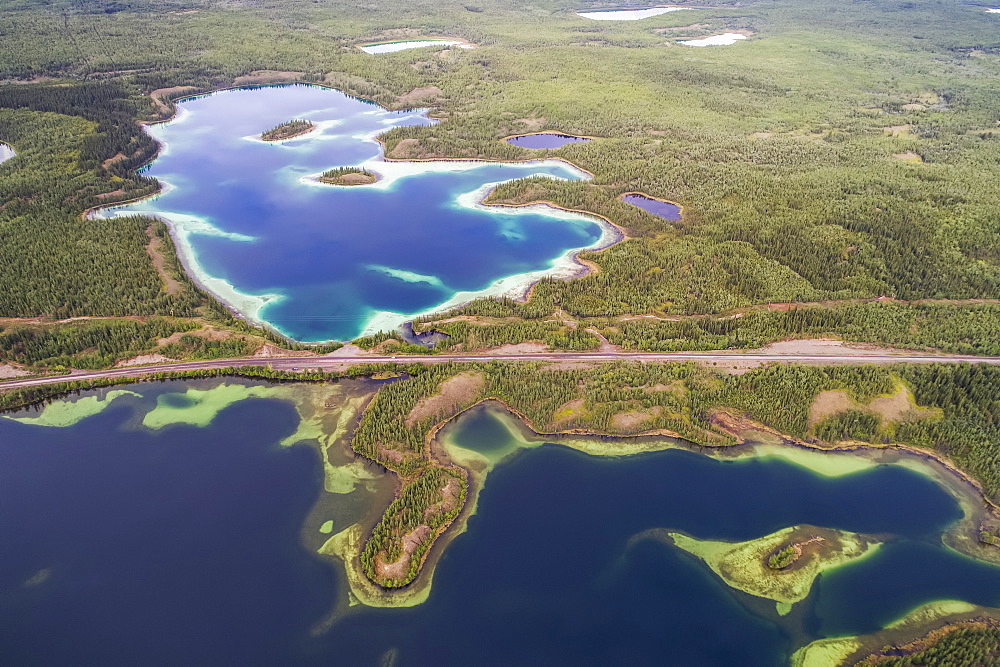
{"x":848,"y":446}
{"x":437,"y":451}
{"x":386,"y":158}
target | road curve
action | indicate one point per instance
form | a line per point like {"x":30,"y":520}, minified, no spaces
{"x":337,"y":363}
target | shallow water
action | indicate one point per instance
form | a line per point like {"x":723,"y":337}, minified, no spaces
{"x":181,"y":544}
{"x":545,"y":140}
{"x":663,"y":209}
{"x":322,"y":262}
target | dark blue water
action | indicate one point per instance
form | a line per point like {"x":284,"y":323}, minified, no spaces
{"x":182,"y":547}
{"x":663,"y":209}
{"x":545,"y":140}
{"x":174,"y":547}
{"x":323,"y":262}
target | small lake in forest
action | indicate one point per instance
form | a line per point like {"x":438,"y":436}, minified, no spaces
{"x":320,"y":262}
{"x":725,"y":39}
{"x":545,"y":140}
{"x":628,"y":14}
{"x":658,"y":207}
{"x":169,"y":522}
{"x":394,"y":47}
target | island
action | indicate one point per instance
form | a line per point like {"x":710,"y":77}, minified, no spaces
{"x":289,"y":130}
{"x":348,"y":176}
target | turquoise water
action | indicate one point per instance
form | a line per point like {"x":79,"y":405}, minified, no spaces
{"x":125,"y":545}
{"x":321,"y":262}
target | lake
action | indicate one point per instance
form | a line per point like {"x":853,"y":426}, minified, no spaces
{"x":324,"y":262}
{"x":165,"y":523}
{"x":629,"y":14}
{"x":545,"y":140}
{"x":662,"y":209}
{"x":394,"y":47}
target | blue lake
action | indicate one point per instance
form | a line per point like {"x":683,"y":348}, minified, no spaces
{"x":183,"y":545}
{"x":321,"y":262}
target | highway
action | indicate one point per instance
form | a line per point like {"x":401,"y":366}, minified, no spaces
{"x":334,"y":362}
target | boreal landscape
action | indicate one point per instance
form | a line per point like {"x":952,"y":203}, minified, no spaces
{"x":411,"y":332}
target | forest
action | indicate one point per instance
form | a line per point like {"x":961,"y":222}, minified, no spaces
{"x":955,"y":411}
{"x":975,"y":645}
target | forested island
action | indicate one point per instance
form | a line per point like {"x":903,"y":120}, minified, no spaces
{"x":348,"y":176}
{"x":289,"y":130}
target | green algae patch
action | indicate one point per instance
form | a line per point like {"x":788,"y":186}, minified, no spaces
{"x":826,"y":463}
{"x":327,"y":527}
{"x":744,"y":565}
{"x":344,"y":479}
{"x":826,"y":652}
{"x":347,"y":545}
{"x":932,"y":611}
{"x":62,"y":414}
{"x":340,"y":479}
{"x":38,"y":578}
{"x":919,"y":621}
{"x":479,"y":454}
{"x":620,"y":446}
{"x":198,"y":407}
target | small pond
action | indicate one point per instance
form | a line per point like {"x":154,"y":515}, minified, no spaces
{"x":663,"y":209}
{"x":545,"y":140}
{"x":628,"y":14}
{"x":393,"y":47}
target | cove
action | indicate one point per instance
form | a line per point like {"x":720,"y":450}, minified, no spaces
{"x":170,"y":525}
{"x":325,"y":262}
